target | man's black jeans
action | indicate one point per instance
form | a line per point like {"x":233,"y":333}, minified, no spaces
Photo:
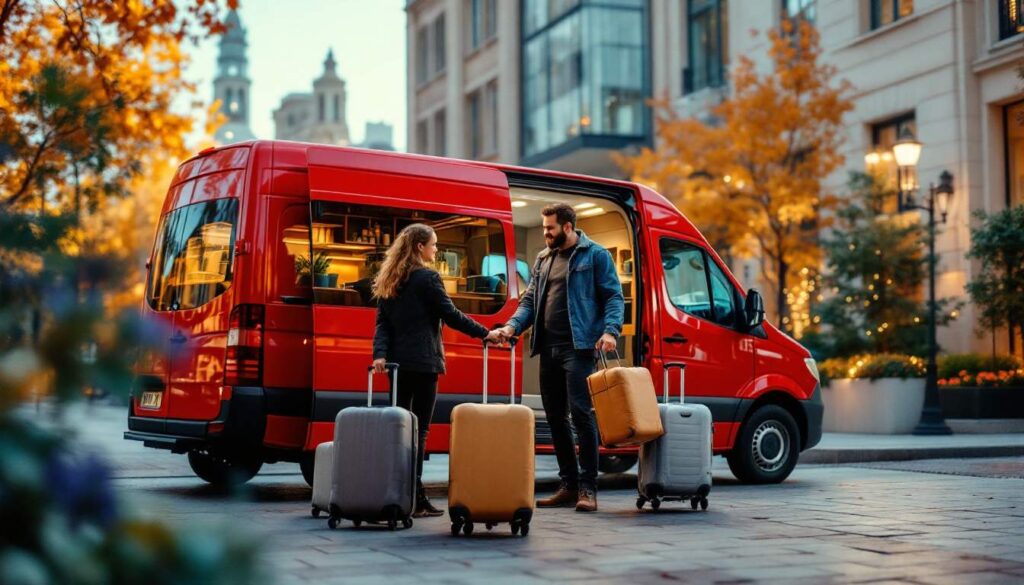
{"x":563,"y":390}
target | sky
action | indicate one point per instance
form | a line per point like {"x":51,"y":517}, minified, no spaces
{"x":288,"y":42}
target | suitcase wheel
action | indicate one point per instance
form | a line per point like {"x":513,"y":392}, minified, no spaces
{"x":316,"y":512}
{"x":467,"y":528}
{"x":703,"y":503}
{"x":357,"y":523}
{"x":332,"y":522}
{"x":525,"y":529}
{"x":640,"y":503}
{"x":655,"y":504}
{"x":456,"y":527}
{"x":392,"y":524}
{"x":407,"y":522}
{"x":694,"y":501}
{"x":489,"y":525}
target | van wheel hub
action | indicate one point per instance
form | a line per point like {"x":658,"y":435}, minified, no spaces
{"x":770,"y":445}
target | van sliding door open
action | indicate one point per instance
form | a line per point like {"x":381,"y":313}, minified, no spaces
{"x":359,"y":203}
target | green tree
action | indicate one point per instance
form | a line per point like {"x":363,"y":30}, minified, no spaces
{"x":998,"y":290}
{"x":876,"y":266}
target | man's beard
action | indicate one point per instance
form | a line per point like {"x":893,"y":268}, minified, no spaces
{"x":557,"y":241}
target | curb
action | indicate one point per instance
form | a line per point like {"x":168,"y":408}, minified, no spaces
{"x":836,"y":456}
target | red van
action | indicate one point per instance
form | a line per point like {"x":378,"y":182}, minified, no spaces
{"x":261,"y":271}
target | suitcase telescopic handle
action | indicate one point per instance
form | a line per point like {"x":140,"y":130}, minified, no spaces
{"x":682,"y":379}
{"x":394,"y":383}
{"x":512,"y":341}
{"x":604,"y":358}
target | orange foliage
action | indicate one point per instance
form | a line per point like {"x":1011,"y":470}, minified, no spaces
{"x":751,"y":178}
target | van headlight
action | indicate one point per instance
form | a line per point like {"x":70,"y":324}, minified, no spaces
{"x":812,"y":367}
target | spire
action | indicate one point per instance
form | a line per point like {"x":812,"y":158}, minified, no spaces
{"x":330,"y":63}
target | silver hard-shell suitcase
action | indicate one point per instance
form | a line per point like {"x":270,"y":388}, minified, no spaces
{"x":677,"y":465}
{"x":374,"y":462}
{"x":323,"y":463}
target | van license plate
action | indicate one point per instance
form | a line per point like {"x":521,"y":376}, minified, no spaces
{"x":151,"y":399}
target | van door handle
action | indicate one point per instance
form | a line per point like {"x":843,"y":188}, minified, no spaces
{"x":178,"y":337}
{"x":677,"y":338}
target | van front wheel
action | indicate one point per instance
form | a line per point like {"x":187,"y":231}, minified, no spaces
{"x":767,"y":448}
{"x":616,"y":463}
{"x":307,"y":468}
{"x":220,"y":470}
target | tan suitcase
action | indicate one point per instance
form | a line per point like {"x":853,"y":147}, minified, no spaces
{"x":625,"y":405}
{"x":491,"y":463}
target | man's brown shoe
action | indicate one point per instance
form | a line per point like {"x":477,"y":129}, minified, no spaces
{"x":563,"y":498}
{"x":587,"y":501}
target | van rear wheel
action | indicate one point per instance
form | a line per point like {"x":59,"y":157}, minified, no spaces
{"x":221,"y":470}
{"x":307,"y":468}
{"x":767,"y":448}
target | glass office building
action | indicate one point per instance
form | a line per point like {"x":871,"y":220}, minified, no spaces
{"x":586,"y":78}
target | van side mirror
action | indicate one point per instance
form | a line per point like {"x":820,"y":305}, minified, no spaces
{"x":753,"y":309}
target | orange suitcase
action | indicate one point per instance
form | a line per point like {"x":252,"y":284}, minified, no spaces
{"x":491,"y":462}
{"x":625,"y":405}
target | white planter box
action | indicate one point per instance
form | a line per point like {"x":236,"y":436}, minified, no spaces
{"x":887,"y":406}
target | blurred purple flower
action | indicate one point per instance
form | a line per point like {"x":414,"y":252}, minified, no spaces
{"x":80,"y":488}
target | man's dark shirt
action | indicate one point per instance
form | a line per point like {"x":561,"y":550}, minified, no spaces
{"x":555,"y":317}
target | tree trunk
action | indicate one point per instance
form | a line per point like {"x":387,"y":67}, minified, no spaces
{"x":780,"y":294}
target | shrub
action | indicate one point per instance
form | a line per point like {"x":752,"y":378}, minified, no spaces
{"x":873,"y":366}
{"x":973,"y":363}
{"x":1002,"y":378}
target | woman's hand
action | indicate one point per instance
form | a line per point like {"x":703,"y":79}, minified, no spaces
{"x":495,"y":336}
{"x":378,"y":365}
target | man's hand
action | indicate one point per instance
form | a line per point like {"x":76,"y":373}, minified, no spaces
{"x":495,"y":336}
{"x":507,"y":332}
{"x":378,"y":365}
{"x":606,"y":343}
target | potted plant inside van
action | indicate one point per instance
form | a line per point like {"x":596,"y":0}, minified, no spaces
{"x":873,"y":393}
{"x":305,"y":269}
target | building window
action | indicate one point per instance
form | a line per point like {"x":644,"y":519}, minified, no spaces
{"x":422,"y":54}
{"x":321,"y":114}
{"x":475,"y":128}
{"x":440,"y":134}
{"x":422,"y":138}
{"x":1011,"y":21}
{"x":584,"y":71}
{"x":800,"y":10}
{"x":1013,"y":120}
{"x":439,"y":45}
{"x":337,"y":108}
{"x":483,"y":22}
{"x":709,"y":48}
{"x":880,"y":161}
{"x":885,"y":12}
{"x":491,"y":101}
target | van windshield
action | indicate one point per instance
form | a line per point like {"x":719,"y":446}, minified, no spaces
{"x":192,"y":258}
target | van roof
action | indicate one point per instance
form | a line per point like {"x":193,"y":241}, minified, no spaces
{"x":660,"y":210}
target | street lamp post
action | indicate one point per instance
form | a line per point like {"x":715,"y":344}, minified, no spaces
{"x":907,"y":151}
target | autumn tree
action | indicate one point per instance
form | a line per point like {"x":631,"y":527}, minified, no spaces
{"x":751,"y":176}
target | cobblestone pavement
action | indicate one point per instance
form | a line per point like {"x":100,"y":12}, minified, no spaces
{"x":909,"y":522}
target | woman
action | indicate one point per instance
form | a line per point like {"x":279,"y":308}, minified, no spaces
{"x":411,"y":305}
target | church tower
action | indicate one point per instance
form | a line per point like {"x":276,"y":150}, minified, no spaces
{"x":231,"y":86}
{"x":329,"y":123}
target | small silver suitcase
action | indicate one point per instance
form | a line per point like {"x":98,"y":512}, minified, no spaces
{"x":322,"y":477}
{"x":374,"y":471}
{"x":677,"y":465}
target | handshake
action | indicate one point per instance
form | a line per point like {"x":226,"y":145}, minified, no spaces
{"x":500,"y":335}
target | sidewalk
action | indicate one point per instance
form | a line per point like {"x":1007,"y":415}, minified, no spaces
{"x":854,"y":448}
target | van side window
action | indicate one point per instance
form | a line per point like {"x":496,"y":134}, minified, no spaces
{"x":686,"y":278}
{"x":723,"y":297}
{"x":290,"y":268}
{"x":349,"y":243}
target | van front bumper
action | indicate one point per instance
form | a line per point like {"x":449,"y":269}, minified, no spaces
{"x":814,"y":412}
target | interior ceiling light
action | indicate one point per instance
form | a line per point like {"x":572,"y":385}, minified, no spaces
{"x":518,"y":203}
{"x":587,"y":205}
{"x":590,"y":212}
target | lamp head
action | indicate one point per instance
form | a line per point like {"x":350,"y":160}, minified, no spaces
{"x":906,"y":150}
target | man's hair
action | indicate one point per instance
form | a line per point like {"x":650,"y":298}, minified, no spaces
{"x":563,"y":213}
